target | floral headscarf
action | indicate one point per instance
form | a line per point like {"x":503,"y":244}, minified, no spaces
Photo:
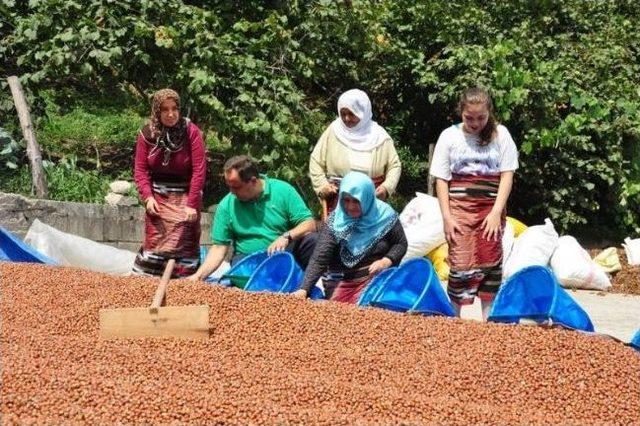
{"x":170,"y":139}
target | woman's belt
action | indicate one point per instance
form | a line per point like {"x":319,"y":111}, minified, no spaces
{"x":350,"y":274}
{"x":170,"y":187}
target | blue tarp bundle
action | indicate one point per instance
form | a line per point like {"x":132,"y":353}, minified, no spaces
{"x":374,"y":287}
{"x":534,"y":293}
{"x":13,"y":249}
{"x":278,"y":273}
{"x":241,"y":270}
{"x":635,"y":342}
{"x":412,"y":287}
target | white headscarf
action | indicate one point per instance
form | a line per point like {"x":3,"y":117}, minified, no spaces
{"x":367,"y":134}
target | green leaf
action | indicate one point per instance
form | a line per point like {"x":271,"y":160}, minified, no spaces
{"x":30,"y":34}
{"x":104,"y":58}
{"x":578,"y":102}
{"x":66,"y":36}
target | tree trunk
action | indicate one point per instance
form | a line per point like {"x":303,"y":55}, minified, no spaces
{"x":33,"y":150}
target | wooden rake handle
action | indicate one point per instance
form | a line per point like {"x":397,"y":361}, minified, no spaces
{"x":325,"y":209}
{"x":161,"y":291}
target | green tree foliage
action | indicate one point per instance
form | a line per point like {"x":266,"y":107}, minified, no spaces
{"x":263,"y":77}
{"x":9,"y":150}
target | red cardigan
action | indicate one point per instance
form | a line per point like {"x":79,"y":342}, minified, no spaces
{"x":186,"y":165}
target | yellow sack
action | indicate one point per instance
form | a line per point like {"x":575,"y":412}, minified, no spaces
{"x":439,"y":259}
{"x":608,"y":260}
{"x":518,"y":227}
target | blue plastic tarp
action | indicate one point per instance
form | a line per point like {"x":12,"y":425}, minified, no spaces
{"x":412,"y":287}
{"x":13,"y":249}
{"x":534,"y":293}
{"x":373,"y":288}
{"x":635,"y":342}
{"x":278,"y":273}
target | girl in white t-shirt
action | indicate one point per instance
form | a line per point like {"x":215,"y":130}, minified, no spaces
{"x":474,"y":163}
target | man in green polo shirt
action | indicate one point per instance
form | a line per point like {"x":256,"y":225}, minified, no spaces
{"x":259,"y":213}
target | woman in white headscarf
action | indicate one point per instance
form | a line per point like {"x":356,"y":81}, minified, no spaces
{"x":354,"y":142}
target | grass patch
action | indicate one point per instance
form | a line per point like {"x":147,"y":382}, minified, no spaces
{"x":16,"y":181}
{"x":68,"y":182}
{"x":65,"y":182}
{"x":80,"y":132}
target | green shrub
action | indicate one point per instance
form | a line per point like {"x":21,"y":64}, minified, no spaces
{"x":67,"y":182}
{"x":263,"y":78}
{"x":80,"y":131}
{"x":10,"y":151}
{"x":103,"y":138}
{"x":16,"y":181}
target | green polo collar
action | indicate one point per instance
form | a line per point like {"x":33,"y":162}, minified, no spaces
{"x":266,"y":191}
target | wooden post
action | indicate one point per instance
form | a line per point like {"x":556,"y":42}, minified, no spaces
{"x":325,"y":209}
{"x":430,"y":180}
{"x":33,"y":150}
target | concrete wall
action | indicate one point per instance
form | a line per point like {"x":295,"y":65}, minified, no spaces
{"x":118,"y":226}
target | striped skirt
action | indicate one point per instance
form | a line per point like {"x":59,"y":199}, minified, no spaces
{"x":169,"y":235}
{"x":346,"y":285}
{"x":475,"y":262}
{"x":349,"y":291}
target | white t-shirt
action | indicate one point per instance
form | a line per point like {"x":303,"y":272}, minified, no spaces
{"x":459,"y":153}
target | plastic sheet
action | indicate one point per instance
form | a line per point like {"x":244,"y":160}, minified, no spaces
{"x":414,"y":287}
{"x":241,"y":272}
{"x":534,"y":293}
{"x":73,"y":250}
{"x":13,"y":249}
{"x":372,"y":289}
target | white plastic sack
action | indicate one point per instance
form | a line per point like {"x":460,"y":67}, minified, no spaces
{"x":508,"y":239}
{"x":608,"y":260}
{"x":72,"y":250}
{"x":632,"y":250}
{"x":422,"y":223}
{"x":533,"y":247}
{"x":574,"y":268}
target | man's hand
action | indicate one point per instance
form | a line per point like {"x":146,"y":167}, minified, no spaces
{"x":196,"y":276}
{"x":280,"y":244}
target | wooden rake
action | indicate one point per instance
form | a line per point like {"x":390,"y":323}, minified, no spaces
{"x":157,"y":320}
